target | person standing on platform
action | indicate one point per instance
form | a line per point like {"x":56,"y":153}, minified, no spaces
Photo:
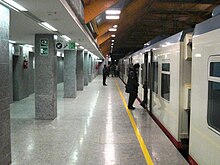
{"x":105,"y":74}
{"x":132,"y":85}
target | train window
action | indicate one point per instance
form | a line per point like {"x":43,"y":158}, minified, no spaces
{"x":166,"y":67}
{"x":142,"y":74}
{"x":165,"y":86}
{"x":213,"y":114}
{"x":155,"y":77}
{"x":213,"y":105}
{"x":214,"y":69}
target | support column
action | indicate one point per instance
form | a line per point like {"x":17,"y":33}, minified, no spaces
{"x":79,"y":69}
{"x":86,"y":64}
{"x":45,"y":77}
{"x":5,"y":141}
{"x":70,"y":73}
{"x":90,"y":68}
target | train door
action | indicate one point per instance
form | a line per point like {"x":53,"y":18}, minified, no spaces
{"x":145,"y":80}
{"x":148,"y":80}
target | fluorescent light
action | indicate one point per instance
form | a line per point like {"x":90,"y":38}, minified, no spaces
{"x":66,"y":38}
{"x":113,"y":35}
{"x":55,"y":37}
{"x":198,"y":55}
{"x":15,"y":5}
{"x":113,"y":40}
{"x":48,"y":26}
{"x":27,"y":45}
{"x":10,"y":41}
{"x":115,"y":26}
{"x":81,"y":47}
{"x":112,"y":17}
{"x":112,"y":30}
{"x":113,"y":12}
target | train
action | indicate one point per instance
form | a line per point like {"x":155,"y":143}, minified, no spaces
{"x":179,"y":82}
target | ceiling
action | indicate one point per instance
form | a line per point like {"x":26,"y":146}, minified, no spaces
{"x":142,"y":20}
{"x":24,"y":25}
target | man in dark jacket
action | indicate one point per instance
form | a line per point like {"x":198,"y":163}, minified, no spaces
{"x":105,"y":74}
{"x":132,"y":85}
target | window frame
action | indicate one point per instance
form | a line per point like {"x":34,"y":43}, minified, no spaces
{"x":154,"y":76}
{"x":212,"y":59}
{"x":166,"y":73}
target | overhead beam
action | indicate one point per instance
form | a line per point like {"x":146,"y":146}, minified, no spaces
{"x":103,"y":28}
{"x":103,"y":38}
{"x":95,"y":8}
{"x":105,"y":47}
{"x":140,"y":8}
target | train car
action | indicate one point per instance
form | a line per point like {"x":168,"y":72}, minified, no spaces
{"x":204,"y":146}
{"x":168,"y":66}
{"x":182,"y":76}
{"x":165,"y":70}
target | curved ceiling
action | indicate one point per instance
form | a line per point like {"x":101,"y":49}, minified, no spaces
{"x":143,"y":20}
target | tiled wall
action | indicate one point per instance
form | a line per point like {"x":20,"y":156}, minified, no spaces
{"x":5,"y":142}
{"x":23,"y":79}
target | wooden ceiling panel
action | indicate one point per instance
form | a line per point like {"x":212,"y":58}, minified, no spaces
{"x":105,"y":26}
{"x":142,"y":20}
{"x":103,"y":38}
{"x":92,"y":10}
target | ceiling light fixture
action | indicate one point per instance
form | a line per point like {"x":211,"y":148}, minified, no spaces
{"x":112,"y":17}
{"x":113,"y":35}
{"x":11,"y":41}
{"x":113,"y":12}
{"x":81,"y":47}
{"x":115,"y":26}
{"x":112,"y":30}
{"x":113,"y":40}
{"x":66,"y":38}
{"x":15,"y":5}
{"x":48,"y":26}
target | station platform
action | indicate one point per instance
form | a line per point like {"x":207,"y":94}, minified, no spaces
{"x":95,"y":128}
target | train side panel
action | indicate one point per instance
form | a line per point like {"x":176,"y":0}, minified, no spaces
{"x":204,"y":146}
{"x":165,"y":105}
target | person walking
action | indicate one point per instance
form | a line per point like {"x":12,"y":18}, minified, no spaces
{"x":105,"y":74}
{"x":132,"y":85}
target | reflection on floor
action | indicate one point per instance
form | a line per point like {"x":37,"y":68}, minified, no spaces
{"x":91,"y":129}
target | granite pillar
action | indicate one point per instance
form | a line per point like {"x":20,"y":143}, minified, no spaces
{"x":86,"y":64}
{"x":5,"y":141}
{"x":70,"y":74}
{"x":80,"y":69}
{"x":45,"y":77}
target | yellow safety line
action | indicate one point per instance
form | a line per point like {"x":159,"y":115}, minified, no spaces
{"x":136,"y":130}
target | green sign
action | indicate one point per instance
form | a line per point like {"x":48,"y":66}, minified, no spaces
{"x":44,"y":47}
{"x":64,"y":45}
{"x":72,"y":45}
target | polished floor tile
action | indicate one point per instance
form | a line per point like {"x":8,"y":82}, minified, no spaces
{"x":92,"y":129}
